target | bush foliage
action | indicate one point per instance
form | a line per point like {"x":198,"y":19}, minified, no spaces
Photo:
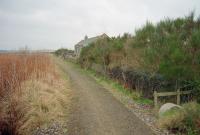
{"x":62,"y":52}
{"x":168,"y":51}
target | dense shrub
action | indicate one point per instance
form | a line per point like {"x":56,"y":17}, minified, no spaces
{"x":172,"y":48}
{"x":167,"y":51}
{"x":142,"y":82}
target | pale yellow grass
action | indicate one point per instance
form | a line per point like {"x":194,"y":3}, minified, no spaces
{"x":44,"y":101}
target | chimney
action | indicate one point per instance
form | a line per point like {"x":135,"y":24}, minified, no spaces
{"x":86,"y":37}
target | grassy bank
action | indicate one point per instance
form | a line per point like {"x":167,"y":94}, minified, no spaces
{"x":47,"y":101}
{"x":113,"y":84}
{"x":185,"y":121}
{"x":35,"y":95}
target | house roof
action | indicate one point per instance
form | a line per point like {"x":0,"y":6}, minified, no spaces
{"x":90,"y":40}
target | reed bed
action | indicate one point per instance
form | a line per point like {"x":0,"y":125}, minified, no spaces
{"x":14,"y":70}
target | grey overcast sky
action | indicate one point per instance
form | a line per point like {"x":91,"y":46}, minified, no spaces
{"x":51,"y":24}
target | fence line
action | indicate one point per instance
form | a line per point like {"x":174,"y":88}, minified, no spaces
{"x":177,"y":93}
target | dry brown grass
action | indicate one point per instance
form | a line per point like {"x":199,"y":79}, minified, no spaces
{"x":44,"y":101}
{"x":15,"y":68}
{"x":32,"y":93}
{"x":184,"y":121}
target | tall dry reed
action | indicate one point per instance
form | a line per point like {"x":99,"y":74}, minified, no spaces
{"x":15,"y":69}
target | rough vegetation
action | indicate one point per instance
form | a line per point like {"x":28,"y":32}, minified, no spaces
{"x":33,"y":94}
{"x":158,"y":57}
{"x":63,"y":52}
{"x":184,"y":121}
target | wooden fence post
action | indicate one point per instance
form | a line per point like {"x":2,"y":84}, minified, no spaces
{"x":178,"y":97}
{"x":155,"y":99}
{"x":177,"y":93}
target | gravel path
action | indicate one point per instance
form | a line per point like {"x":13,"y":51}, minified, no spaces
{"x":96,"y":112}
{"x":53,"y":129}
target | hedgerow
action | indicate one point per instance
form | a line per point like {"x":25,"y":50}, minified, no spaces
{"x":157,"y":57}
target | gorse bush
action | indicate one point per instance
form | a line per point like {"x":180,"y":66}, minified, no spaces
{"x":172,"y":48}
{"x":96,"y":53}
{"x":169,"y":49}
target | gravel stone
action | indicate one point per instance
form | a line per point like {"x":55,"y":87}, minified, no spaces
{"x":53,"y":129}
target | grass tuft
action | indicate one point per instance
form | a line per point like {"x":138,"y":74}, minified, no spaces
{"x":185,"y":121}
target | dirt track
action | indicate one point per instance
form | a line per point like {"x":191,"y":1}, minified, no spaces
{"x":96,"y":112}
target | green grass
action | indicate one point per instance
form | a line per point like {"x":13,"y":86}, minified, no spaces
{"x":145,"y":101}
{"x":120,"y":88}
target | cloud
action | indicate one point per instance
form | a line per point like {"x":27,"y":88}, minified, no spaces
{"x":62,"y":23}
